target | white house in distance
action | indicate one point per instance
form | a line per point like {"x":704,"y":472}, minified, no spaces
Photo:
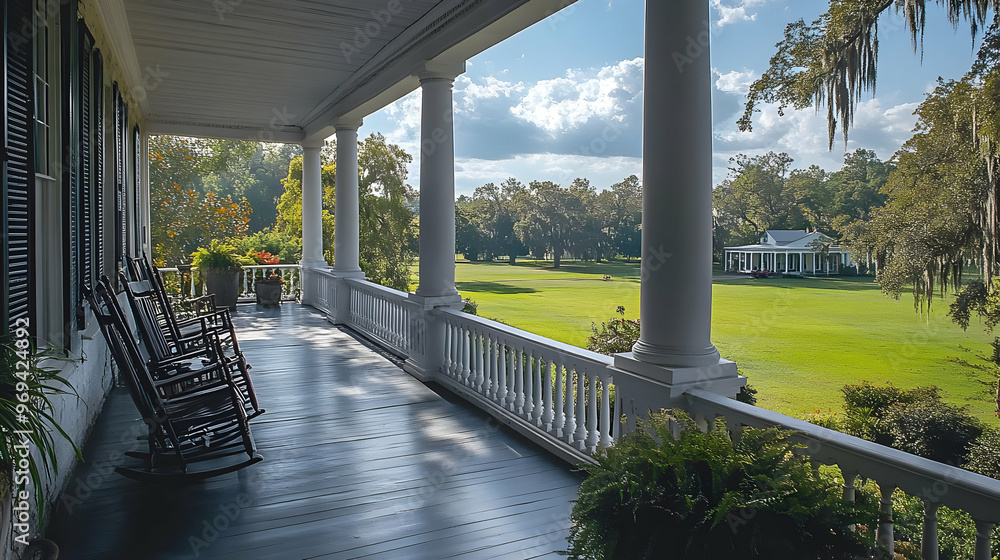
{"x":789,"y":251}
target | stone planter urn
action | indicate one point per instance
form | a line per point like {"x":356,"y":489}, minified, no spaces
{"x":225,"y":286}
{"x":269,"y":291}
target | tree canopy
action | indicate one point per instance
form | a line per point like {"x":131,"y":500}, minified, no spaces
{"x":388,"y":227}
{"x":544,"y":218}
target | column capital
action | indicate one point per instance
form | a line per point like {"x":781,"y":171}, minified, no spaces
{"x":346,"y":123}
{"x":314,"y":143}
{"x":435,"y":70}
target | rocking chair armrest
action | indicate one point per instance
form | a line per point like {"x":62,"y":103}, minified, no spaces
{"x":221,"y":315}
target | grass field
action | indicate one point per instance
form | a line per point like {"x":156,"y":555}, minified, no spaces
{"x":798,"y":340}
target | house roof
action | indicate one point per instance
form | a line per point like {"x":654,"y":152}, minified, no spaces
{"x":284,"y":70}
{"x":784,"y":236}
{"x":790,"y":239}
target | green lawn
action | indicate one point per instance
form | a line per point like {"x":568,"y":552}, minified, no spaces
{"x":798,"y":340}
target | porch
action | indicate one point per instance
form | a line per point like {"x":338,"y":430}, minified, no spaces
{"x":361,"y":461}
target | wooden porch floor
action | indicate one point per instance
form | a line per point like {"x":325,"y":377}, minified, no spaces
{"x":360,"y":461}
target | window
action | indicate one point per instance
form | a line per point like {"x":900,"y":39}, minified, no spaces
{"x":42,"y":64}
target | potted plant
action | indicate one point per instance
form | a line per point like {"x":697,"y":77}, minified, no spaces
{"x":220,"y":267}
{"x":269,"y":289}
{"x":26,"y":415}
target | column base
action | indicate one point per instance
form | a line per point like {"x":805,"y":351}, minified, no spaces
{"x":642,"y":387}
{"x":431,"y":302}
{"x":314,"y":264}
{"x":669,"y":356}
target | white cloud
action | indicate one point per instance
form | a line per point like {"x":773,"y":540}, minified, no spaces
{"x":735,"y":81}
{"x":729,"y":14}
{"x":567,"y":103}
{"x":471,"y":173}
{"x":803,"y":134}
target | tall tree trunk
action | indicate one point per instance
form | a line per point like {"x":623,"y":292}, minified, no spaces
{"x":513,"y":258}
{"x":556,"y":255}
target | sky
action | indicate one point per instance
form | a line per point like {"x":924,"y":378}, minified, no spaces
{"x":532,"y":106}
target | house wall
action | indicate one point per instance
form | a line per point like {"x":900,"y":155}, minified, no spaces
{"x":56,"y":321}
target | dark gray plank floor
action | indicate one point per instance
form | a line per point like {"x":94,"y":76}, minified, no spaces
{"x":360,"y":461}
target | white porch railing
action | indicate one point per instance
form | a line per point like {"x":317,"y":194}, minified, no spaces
{"x":187,"y":285}
{"x":563,"y":398}
{"x":383,"y":315}
{"x":936,"y":484}
{"x":558,"y":392}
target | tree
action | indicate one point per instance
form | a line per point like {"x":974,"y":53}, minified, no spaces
{"x":387,"y":225}
{"x":755,"y":198}
{"x":833,"y":60}
{"x":553,"y":214}
{"x":621,"y":209}
{"x":495,"y":210}
{"x":931,"y":222}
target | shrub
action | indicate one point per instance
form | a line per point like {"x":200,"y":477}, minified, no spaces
{"x":933,"y":429}
{"x":866,"y":406}
{"x":701,"y":495}
{"x":469,"y":306}
{"x":615,"y":336}
{"x":984,"y":454}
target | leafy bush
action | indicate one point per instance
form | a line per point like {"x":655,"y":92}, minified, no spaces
{"x":747,"y":395}
{"x":984,"y":454}
{"x":933,"y":429}
{"x":469,"y":306}
{"x":615,"y":336}
{"x":701,"y":495}
{"x":866,"y":406}
{"x":913,"y":420}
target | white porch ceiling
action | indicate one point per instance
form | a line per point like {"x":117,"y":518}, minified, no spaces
{"x":277,"y":69}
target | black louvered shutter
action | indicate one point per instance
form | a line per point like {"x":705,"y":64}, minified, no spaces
{"x":84,"y":230}
{"x":97,"y":204}
{"x":121,"y":232}
{"x":137,"y":230}
{"x":16,"y":217}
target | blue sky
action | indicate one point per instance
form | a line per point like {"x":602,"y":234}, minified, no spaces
{"x":563,"y":99}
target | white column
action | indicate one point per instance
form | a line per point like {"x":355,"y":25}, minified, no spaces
{"x":312,"y":207}
{"x":436,"y":286}
{"x":437,"y":188}
{"x":347,"y":237}
{"x":675,"y":351}
{"x":347,"y":233}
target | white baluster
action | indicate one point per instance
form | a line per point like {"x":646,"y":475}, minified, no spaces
{"x":983,"y":531}
{"x":511,"y":373}
{"x":547,"y":396}
{"x":480,"y":385}
{"x":501,"y":373}
{"x":517,"y":404}
{"x":536,"y":390}
{"x":494,"y":366}
{"x":884,"y":532}
{"x":929,"y":543}
{"x":580,"y":438}
{"x":849,"y":488}
{"x":570,"y":428}
{"x":560,"y":413}
{"x":593,"y":436}
{"x":466,"y":356}
{"x":605,"y":440}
